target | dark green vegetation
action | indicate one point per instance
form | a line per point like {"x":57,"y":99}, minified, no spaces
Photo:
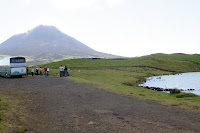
{"x":11,"y":117}
{"x":182,"y":95}
{"x":175,"y":91}
{"x":123,"y":75}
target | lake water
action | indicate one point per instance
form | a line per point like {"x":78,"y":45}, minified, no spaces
{"x":182,"y":81}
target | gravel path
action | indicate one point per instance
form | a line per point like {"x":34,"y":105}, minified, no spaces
{"x":59,"y":105}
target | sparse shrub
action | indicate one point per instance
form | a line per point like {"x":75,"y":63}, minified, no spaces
{"x":128,"y":83}
{"x":182,"y":95}
{"x":175,"y":91}
{"x":141,"y":80}
{"x":141,"y":94}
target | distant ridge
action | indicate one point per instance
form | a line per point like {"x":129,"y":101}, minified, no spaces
{"x":47,"y":42}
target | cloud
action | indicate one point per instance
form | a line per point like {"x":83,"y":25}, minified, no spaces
{"x":39,"y":21}
{"x":28,"y":2}
{"x":113,"y":3}
{"x":75,"y":4}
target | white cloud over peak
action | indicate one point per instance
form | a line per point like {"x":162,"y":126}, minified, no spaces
{"x":75,"y":4}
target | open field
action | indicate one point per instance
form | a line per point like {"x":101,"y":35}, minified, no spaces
{"x":124,"y":75}
{"x":61,"y":105}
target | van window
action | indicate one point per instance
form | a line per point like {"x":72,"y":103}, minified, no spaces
{"x":17,"y":60}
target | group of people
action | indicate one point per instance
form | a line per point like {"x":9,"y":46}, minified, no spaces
{"x":37,"y":70}
{"x":63,"y":71}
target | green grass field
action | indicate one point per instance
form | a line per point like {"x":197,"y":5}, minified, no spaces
{"x":11,"y":117}
{"x":124,"y":74}
{"x":3,"y":110}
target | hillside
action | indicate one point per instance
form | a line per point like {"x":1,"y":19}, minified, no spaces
{"x":47,"y":42}
{"x":123,"y":75}
{"x":171,"y":62}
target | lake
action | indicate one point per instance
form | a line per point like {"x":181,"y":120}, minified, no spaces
{"x":184,"y":81}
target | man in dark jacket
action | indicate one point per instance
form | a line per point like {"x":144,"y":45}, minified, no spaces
{"x":66,"y":72}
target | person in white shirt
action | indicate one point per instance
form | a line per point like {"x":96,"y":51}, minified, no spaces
{"x":32,"y":71}
{"x":61,"y":70}
{"x":47,"y":71}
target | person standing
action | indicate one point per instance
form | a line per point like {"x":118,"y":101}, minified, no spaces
{"x":27,"y":71}
{"x":47,"y":71}
{"x":32,"y":71}
{"x":66,"y":72}
{"x":40,"y":71}
{"x":37,"y":71}
{"x":61,"y":70}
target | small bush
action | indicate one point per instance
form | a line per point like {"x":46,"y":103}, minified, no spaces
{"x":141,"y":80}
{"x":21,"y":130}
{"x":182,"y":95}
{"x":175,"y":91}
{"x":128,"y":83}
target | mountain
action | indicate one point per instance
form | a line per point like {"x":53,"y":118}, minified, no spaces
{"x":47,"y":42}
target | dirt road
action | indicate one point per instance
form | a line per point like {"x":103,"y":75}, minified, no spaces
{"x":59,"y":105}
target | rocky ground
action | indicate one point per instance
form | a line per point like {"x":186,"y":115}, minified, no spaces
{"x":60,"y":105}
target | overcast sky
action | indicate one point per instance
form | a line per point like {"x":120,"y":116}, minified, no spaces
{"x":122,"y":27}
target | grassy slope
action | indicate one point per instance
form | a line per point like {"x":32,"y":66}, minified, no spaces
{"x":179,"y":57}
{"x":175,"y":62}
{"x":125,"y":79}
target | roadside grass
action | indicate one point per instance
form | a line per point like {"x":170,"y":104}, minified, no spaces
{"x":3,"y":110}
{"x":124,"y":74}
{"x":125,"y":81}
{"x":11,"y":117}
